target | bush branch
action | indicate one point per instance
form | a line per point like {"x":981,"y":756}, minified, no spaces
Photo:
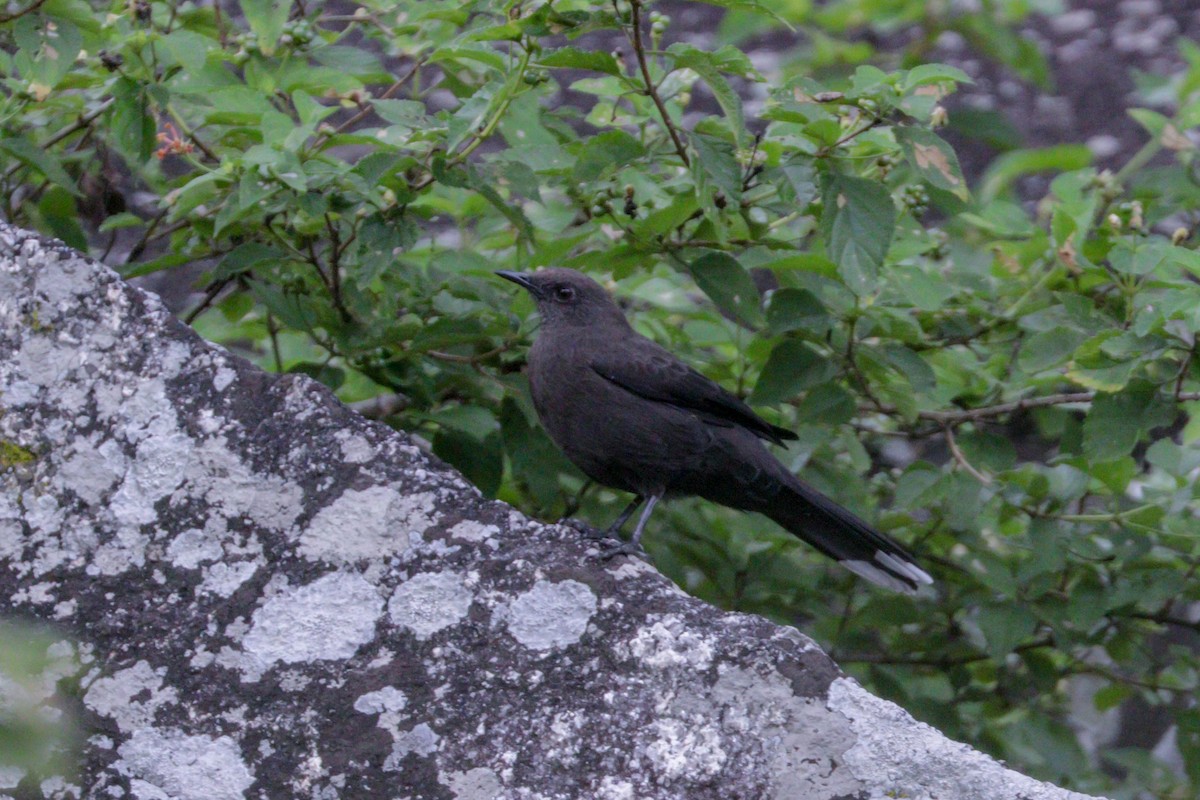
{"x":635,"y":38}
{"x":34,"y":6}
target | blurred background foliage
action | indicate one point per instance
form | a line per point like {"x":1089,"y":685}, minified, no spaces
{"x":38,"y":731}
{"x":1004,"y":382}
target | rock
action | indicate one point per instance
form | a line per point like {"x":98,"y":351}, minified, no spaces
{"x":262,"y":594}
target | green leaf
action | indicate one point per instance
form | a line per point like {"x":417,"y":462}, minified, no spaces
{"x":909,"y":365}
{"x":1141,"y":258}
{"x":574,"y":58}
{"x":530,"y":142}
{"x":266,"y":18}
{"x":58,"y":210}
{"x":355,"y":61}
{"x":505,"y":32}
{"x":858,"y":221}
{"x":124,"y":219}
{"x":606,"y":152}
{"x":932,"y":158}
{"x":751,"y":5}
{"x":1049,"y":348}
{"x":707,"y":67}
{"x":474,"y":113}
{"x":1154,"y":122}
{"x":536,"y":462}
{"x":1115,"y":421}
{"x":797,"y":309}
{"x":481,"y":461}
{"x":1008,"y":167}
{"x":475,"y":421}
{"x":469,"y":51}
{"x":926,"y":74}
{"x":716,"y":160}
{"x":827,"y":404}
{"x":244,"y":258}
{"x":1004,"y":627}
{"x":726,"y":58}
{"x":1099,"y":363}
{"x":1004,"y":44}
{"x":47,"y":51}
{"x":469,"y":178}
{"x":792,"y":367}
{"x":406,"y":113}
{"x":189,"y":48}
{"x":801,"y":176}
{"x":295,"y":310}
{"x":132,"y":127}
{"x":722,"y":278}
{"x":31,"y":155}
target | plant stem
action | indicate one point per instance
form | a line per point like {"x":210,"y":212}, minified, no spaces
{"x":651,"y":90}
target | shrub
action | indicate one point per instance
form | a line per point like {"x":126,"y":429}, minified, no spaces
{"x":1007,"y":386}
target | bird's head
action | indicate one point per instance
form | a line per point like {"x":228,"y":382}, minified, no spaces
{"x":568,"y":298}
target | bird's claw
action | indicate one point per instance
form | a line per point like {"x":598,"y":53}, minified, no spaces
{"x":588,"y":532}
{"x":623,"y":549}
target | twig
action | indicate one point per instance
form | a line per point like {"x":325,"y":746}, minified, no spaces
{"x":853,"y":134}
{"x":136,"y":251}
{"x":219,"y":21}
{"x":475,"y":359}
{"x":480,"y":136}
{"x":382,"y":406}
{"x":1104,"y":516}
{"x":335,"y":267}
{"x":571,"y":503}
{"x":79,"y":124}
{"x":210,"y":294}
{"x":640,"y":51}
{"x":936,"y":661}
{"x":852,"y":362}
{"x":973,"y":414}
{"x":367,"y":109}
{"x":961,"y":458}
{"x":1166,"y":619}
{"x":1183,"y":371}
{"x":273,"y":333}
{"x":34,"y":6}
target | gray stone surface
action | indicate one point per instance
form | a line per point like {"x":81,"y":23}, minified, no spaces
{"x":261,"y":594}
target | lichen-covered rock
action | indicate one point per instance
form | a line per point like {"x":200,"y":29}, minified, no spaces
{"x":262,"y":594}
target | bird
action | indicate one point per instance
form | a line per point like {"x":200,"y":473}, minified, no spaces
{"x":635,"y":418}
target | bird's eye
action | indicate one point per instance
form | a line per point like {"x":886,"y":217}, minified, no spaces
{"x":564,"y":294}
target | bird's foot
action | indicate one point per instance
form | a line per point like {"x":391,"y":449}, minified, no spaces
{"x":587,"y":531}
{"x":623,"y":549}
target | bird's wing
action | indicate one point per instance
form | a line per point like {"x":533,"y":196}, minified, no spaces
{"x":651,"y":372}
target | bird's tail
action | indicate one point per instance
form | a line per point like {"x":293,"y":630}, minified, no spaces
{"x":844,"y":537}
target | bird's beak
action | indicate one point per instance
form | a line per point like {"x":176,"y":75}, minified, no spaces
{"x":522,"y":280}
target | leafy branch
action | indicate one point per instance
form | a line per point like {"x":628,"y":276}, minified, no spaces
{"x":635,"y":34}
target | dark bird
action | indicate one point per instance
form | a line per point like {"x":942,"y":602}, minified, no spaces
{"x":635,"y":418}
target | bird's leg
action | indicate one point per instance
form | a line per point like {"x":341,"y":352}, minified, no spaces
{"x":614,"y":530}
{"x":634,"y":545}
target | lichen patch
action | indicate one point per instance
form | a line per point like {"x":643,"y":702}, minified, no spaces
{"x":551,"y":615}
{"x":480,"y":783}
{"x":667,"y":642}
{"x":329,"y":618}
{"x":131,"y":696}
{"x":430,"y":601}
{"x":185,"y":767}
{"x":368,"y":523}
